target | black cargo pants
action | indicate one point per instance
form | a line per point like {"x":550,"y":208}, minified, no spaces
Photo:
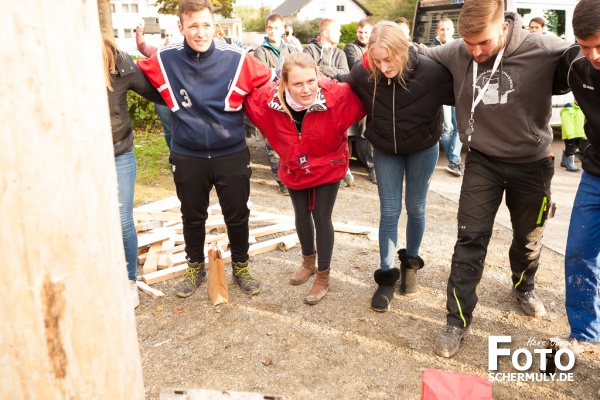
{"x":526,"y":187}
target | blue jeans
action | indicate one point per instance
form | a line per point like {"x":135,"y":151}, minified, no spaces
{"x":164,"y":113}
{"x":126,"y":170}
{"x":450,"y":140}
{"x":391,"y":169}
{"x":582,"y":262}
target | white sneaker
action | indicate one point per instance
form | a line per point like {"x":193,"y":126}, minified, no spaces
{"x":135,"y":297}
{"x":349,"y":178}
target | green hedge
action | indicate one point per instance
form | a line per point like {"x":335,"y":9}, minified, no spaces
{"x":142,"y":112}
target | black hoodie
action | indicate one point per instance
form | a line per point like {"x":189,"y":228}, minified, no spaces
{"x":403,"y":120}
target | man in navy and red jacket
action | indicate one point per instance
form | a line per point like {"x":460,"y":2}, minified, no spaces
{"x":204,"y":83}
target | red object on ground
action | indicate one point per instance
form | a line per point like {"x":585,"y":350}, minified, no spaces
{"x":444,"y":385}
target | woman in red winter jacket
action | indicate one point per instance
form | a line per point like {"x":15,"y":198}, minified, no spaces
{"x":305,"y":119}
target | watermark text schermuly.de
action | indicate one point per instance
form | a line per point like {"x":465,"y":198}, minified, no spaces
{"x":542,"y":349}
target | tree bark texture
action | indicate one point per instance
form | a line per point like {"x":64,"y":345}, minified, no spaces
{"x":67,"y":325}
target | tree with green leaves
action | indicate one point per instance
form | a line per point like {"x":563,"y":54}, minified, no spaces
{"x":390,"y":10}
{"x":221,"y":7}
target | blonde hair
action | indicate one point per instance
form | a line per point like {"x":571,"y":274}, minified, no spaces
{"x":477,"y":15}
{"x":389,"y":36}
{"x":300,"y":60}
{"x":109,"y":55}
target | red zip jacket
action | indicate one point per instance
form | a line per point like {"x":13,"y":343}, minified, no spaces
{"x":318,"y":154}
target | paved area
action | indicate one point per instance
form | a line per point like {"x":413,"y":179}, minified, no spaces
{"x":564,"y":187}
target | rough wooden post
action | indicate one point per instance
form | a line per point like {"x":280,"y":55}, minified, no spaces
{"x":67,"y":327}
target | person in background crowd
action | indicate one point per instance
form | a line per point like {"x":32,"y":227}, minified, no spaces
{"x":498,"y":91}
{"x":122,"y":75}
{"x":536,"y":25}
{"x":289,"y":37}
{"x":404,"y":25}
{"x":164,"y":114}
{"x":354,"y":53}
{"x":450,"y":139}
{"x":573,"y":134}
{"x":272,"y":53}
{"x":305,"y":119}
{"x":403,"y":94}
{"x":579,"y":69}
{"x":221,"y":36}
{"x":204,"y":82}
{"x":330,"y":59}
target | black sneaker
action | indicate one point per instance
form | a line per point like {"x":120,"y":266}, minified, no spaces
{"x":531,"y":304}
{"x":195,"y":275}
{"x":448,"y":342}
{"x":454,"y":169}
{"x":243,"y":277}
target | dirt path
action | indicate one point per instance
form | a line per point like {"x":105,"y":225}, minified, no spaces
{"x":340,"y":349}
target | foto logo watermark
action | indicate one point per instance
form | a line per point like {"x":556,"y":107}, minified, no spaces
{"x":550,"y":361}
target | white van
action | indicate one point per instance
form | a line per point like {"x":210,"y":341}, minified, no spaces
{"x":558,"y":15}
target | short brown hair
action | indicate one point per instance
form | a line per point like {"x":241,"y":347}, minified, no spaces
{"x":187,"y":6}
{"x":477,"y":15}
{"x":538,"y":20}
{"x":402,"y":20}
{"x":444,"y":20}
{"x":273,"y":17}
{"x":364,"y":22}
{"x":586,"y":19}
{"x":324,"y":24}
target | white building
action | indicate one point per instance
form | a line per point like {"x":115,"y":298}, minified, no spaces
{"x":342,"y":11}
{"x":127,"y":13}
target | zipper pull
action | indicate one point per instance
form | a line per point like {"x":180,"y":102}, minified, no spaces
{"x":389,"y":82}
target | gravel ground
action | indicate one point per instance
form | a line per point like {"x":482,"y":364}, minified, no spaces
{"x":275,"y":344}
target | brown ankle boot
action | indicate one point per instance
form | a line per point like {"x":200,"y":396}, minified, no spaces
{"x":308,"y":267}
{"x":320,"y":287}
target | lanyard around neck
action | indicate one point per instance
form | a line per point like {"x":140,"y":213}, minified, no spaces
{"x":484,"y":89}
{"x":476,"y":101}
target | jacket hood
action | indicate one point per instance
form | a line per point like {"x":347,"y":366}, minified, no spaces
{"x":516,"y":34}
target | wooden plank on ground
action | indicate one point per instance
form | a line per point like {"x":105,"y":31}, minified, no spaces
{"x":162,"y":261}
{"x":271,"y":244}
{"x":153,"y":237}
{"x":271,"y":229}
{"x":176,"y":259}
{"x":148,"y":225}
{"x":160,"y":205}
{"x":164,"y":274}
{"x":151,"y":263}
{"x":154,"y":293}
{"x":156,"y":216}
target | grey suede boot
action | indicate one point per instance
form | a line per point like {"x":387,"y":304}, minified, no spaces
{"x":386,"y":280}
{"x":408,"y":272}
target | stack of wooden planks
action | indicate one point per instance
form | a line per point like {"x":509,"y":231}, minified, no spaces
{"x":161,"y":247}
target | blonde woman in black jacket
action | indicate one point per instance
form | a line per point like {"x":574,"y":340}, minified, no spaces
{"x":403,"y":94}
